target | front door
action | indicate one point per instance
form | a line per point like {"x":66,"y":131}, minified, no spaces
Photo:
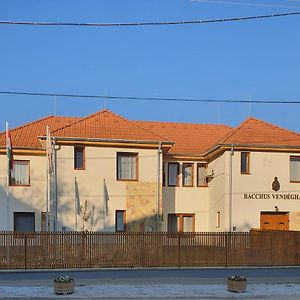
{"x":274,"y":221}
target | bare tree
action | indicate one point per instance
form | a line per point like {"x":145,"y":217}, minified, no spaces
{"x":88,"y":216}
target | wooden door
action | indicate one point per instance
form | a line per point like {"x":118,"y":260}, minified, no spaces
{"x":274,"y":221}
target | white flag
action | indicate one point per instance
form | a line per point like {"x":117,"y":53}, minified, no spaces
{"x":106,"y":197}
{"x":50,"y":152}
{"x":77,"y":198}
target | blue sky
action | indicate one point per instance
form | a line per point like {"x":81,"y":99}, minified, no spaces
{"x":242,"y":60}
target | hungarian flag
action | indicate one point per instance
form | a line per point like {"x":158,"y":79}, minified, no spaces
{"x":50,"y":151}
{"x":9,"y":150}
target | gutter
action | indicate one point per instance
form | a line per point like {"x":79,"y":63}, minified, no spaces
{"x":108,"y":140}
{"x":259,"y":146}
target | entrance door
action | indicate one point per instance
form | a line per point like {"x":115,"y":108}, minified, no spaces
{"x":274,"y":221}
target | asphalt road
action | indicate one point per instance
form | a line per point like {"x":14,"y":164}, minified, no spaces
{"x":152,"y":276}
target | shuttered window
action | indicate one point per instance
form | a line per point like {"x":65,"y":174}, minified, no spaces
{"x":79,"y":158}
{"x":127,"y":166}
{"x":295,"y":168}
{"x":187,"y":174}
{"x":20,"y":173}
{"x":245,"y":159}
{"x":173,"y":172}
{"x":201,"y":175}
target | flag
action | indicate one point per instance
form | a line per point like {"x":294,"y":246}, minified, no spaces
{"x":9,"y":149}
{"x":50,"y":152}
{"x":77,"y":198}
{"x":106,"y":197}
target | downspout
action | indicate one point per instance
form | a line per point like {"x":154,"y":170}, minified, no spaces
{"x":56,"y":148}
{"x":230,"y":187}
{"x":158,"y":186}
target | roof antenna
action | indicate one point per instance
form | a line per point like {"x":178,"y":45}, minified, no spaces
{"x":249,"y":106}
{"x":219,"y":113}
{"x":54,"y":105}
{"x":105,"y":100}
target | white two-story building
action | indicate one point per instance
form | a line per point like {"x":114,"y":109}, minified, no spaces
{"x":114,"y":174}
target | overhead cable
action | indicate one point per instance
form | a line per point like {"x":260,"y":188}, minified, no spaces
{"x":258,"y":101}
{"x":244,"y":3}
{"x":188,"y":22}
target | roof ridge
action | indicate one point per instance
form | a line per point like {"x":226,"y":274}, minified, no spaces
{"x":276,"y":126}
{"x":65,"y":117}
{"x":230,"y":134}
{"x":183,"y":123}
{"x":28,"y":124}
{"x":80,"y":120}
{"x":233,"y":131}
{"x":131,"y":122}
{"x":114,"y":114}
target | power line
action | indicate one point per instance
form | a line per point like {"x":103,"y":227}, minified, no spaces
{"x":258,"y":101}
{"x":244,"y":3}
{"x":150,"y":23}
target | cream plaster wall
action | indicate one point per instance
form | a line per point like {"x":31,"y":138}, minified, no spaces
{"x":23,"y":199}
{"x":264,"y":166}
{"x":204,"y":202}
{"x":186,"y":200}
{"x":294,"y":218}
{"x":101,"y":164}
{"x":218,"y":189}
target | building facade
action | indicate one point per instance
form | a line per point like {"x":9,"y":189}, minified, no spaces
{"x":112,"y":174}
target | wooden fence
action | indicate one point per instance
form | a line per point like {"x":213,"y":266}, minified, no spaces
{"x":102,"y":250}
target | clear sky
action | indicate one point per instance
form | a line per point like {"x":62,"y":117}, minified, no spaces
{"x":257,"y":59}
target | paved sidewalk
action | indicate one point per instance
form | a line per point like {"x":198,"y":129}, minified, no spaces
{"x":157,"y":291}
{"x":204,"y":283}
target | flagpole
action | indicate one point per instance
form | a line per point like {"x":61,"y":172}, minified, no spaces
{"x":104,"y":204}
{"x":47,"y":187}
{"x":7,"y":178}
{"x":76,"y":203}
{"x":8,"y":144}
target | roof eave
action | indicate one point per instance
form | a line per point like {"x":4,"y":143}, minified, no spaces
{"x":57,"y":138}
{"x":257,"y":146}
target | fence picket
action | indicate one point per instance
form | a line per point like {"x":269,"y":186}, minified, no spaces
{"x":147,"y":249}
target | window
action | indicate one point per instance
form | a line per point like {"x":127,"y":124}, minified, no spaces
{"x":187,"y":174}
{"x":181,"y":222}
{"x":79,"y":158}
{"x":24,"y":222}
{"x":173,"y":172}
{"x":295,"y":168}
{"x":20,"y":174}
{"x":120,"y":220}
{"x":201,"y":175}
{"x":245,"y":162}
{"x":127,"y":166}
{"x":218,"y":219}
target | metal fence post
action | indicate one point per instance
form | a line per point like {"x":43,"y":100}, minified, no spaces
{"x":179,"y":252}
{"x":25,"y":251}
{"x":226,"y":249}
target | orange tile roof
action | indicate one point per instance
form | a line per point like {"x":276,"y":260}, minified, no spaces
{"x":107,"y":125}
{"x":260,"y":133}
{"x":193,"y":139}
{"x":26,"y":136}
{"x":188,"y":138}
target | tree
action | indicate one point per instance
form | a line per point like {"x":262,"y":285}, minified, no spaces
{"x":88,"y":216}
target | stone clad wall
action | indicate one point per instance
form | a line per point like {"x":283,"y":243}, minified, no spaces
{"x":141,"y":206}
